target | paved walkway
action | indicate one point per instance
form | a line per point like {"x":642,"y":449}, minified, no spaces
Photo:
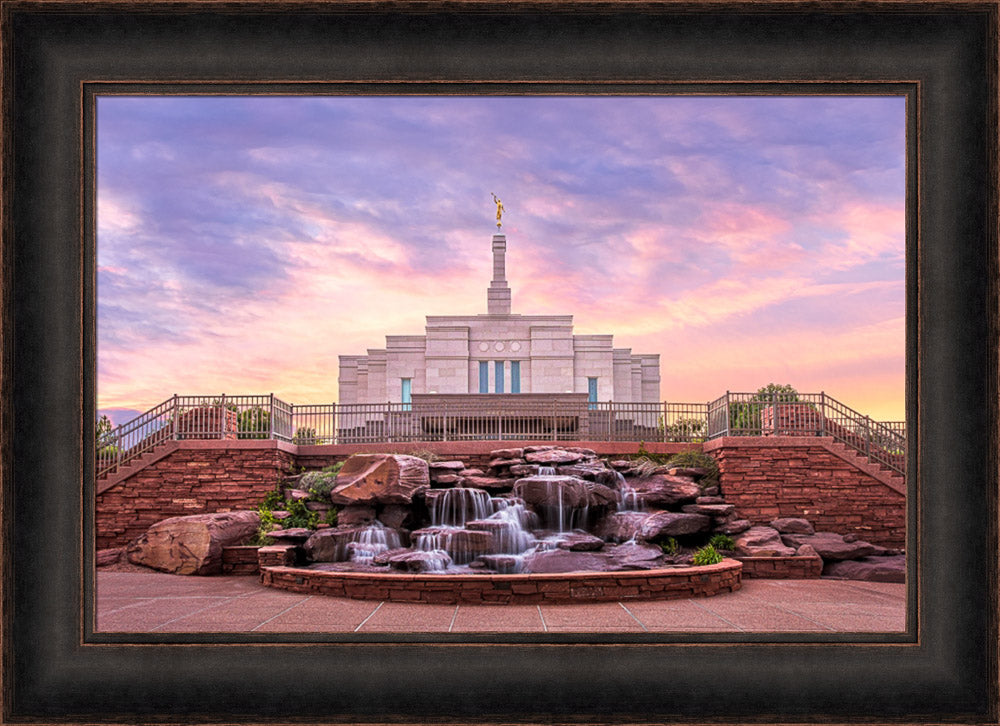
{"x":152,"y":602}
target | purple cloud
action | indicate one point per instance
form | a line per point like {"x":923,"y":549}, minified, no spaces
{"x":277,"y":232}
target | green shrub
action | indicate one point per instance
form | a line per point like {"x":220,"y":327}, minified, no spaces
{"x":334,"y":468}
{"x":331,"y":517}
{"x":707,"y":555}
{"x":722,"y":542}
{"x":267,"y":523}
{"x":318,"y":484}
{"x":669,"y":546}
{"x":272,"y":500}
{"x":686,"y":429}
{"x":254,"y":423}
{"x":642,"y":455}
{"x":745,"y":415}
{"x":299,"y":515}
{"x":103,"y":434}
{"x":645,"y":462}
{"x":305,"y":435}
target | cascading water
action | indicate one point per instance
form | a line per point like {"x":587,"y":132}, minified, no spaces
{"x":435,"y":545}
{"x":562,"y":516}
{"x":450,"y":511}
{"x":629,"y":500}
{"x":368,"y":542}
{"x":513,"y":520}
{"x":455,"y":507}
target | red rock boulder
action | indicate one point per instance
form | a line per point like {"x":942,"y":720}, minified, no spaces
{"x":192,"y":545}
{"x":672,"y":524}
{"x":832,"y":546}
{"x":762,"y":542}
{"x":663,"y":490}
{"x":380,"y":478}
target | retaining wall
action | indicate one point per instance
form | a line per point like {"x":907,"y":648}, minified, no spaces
{"x":782,"y":568}
{"x":766,"y":478}
{"x":663,"y":584}
{"x":771,"y":477}
{"x":200,"y":476}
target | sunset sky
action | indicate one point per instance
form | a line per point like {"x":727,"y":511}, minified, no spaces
{"x":244,"y":243}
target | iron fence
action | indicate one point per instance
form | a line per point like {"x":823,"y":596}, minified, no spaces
{"x":808,"y":414}
{"x":510,"y":417}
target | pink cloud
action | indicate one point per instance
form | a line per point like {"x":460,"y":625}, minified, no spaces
{"x":115,"y":215}
{"x":871,"y":231}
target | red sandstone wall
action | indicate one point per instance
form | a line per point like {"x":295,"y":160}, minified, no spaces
{"x":703,"y":581}
{"x":188,"y":481}
{"x":806,"y":480}
{"x":763,"y":481}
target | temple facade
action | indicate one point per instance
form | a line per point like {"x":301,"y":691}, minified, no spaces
{"x":499,"y":352}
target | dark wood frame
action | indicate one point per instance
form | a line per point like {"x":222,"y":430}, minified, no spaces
{"x":944,"y":56}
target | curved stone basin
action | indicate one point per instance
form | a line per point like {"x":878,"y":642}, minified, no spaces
{"x":566,"y":587}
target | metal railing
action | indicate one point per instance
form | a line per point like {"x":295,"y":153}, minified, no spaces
{"x":509,"y":417}
{"x":809,"y":414}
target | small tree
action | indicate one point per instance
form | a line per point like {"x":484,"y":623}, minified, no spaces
{"x":254,"y":423}
{"x":783,"y":393}
{"x":686,"y":429}
{"x":104,"y":427}
{"x":306,"y":435}
{"x":103,"y":437}
{"x":745,"y":415}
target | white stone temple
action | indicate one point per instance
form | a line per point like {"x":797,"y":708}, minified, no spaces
{"x":499,"y":352}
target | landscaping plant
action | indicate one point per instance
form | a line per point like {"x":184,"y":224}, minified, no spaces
{"x":707,"y":555}
{"x":669,"y":546}
{"x":267,"y":524}
{"x":722,"y":542}
{"x":299,"y":516}
{"x":319,"y":484}
{"x":254,"y":423}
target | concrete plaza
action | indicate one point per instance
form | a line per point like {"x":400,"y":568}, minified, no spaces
{"x":159,"y":603}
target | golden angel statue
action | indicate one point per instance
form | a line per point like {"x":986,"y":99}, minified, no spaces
{"x":500,"y":209}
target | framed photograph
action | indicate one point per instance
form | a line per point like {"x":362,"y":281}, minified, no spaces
{"x":62,"y":60}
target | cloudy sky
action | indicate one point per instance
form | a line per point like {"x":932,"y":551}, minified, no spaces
{"x":244,"y":243}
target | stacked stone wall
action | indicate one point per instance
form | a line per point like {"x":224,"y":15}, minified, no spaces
{"x":764,"y":478}
{"x":188,"y":481}
{"x":782,"y":568}
{"x":704,"y":581}
{"x":805,"y":479}
{"x":239,"y":560}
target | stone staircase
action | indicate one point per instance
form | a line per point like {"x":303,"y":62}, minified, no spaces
{"x":123,"y":472}
{"x":891,"y":478}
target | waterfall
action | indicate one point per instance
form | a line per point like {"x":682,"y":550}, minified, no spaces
{"x":459,"y":545}
{"x":368,"y":542}
{"x":546,"y":471}
{"x":455,"y":507}
{"x":435,"y":545}
{"x":510,"y":538}
{"x":629,"y":500}
{"x":560,"y":515}
{"x":527,"y":518}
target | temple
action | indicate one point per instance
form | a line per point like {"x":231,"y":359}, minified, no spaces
{"x":499,"y":352}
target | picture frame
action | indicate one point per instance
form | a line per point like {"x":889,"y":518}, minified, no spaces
{"x":55,"y":668}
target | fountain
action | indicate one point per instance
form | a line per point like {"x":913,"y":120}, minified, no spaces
{"x":538,"y":526}
{"x":366,"y":543}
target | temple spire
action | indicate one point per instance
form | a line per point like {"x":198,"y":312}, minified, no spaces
{"x":498,"y":294}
